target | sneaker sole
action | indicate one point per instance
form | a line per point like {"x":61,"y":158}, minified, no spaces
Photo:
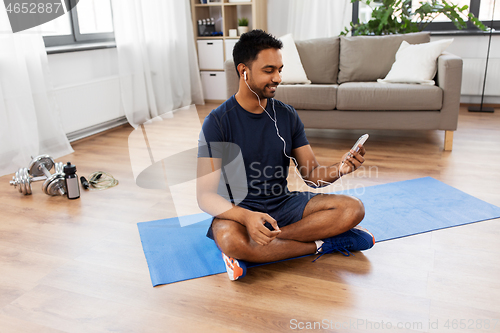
{"x":235,"y":270}
{"x":369,"y":233}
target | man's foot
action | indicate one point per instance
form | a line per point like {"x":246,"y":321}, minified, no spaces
{"x":236,"y":269}
{"x":356,"y":239}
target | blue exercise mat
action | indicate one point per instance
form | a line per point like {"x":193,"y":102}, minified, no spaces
{"x":394,"y":210}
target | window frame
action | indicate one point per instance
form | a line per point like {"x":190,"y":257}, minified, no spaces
{"x":76,"y":38}
{"x":448,"y":27}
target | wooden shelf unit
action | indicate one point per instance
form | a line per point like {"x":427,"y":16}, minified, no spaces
{"x":226,"y":15}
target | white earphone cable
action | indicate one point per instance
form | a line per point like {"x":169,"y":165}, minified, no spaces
{"x":275,"y":120}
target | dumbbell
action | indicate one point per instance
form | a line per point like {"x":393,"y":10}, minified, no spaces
{"x":23,"y":179}
{"x":55,"y":184}
{"x":24,"y":176}
{"x":39,"y":169}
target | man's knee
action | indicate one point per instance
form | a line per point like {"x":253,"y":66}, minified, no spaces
{"x":349,"y":209}
{"x":229,"y":239}
{"x":357,"y":210}
{"x":352,"y":210}
{"x":226,"y":242}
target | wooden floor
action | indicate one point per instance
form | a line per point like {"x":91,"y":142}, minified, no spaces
{"x":78,"y":266}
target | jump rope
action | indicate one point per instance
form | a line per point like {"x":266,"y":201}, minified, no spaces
{"x":320,"y":183}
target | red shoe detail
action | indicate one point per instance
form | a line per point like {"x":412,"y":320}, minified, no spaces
{"x":234,"y":271}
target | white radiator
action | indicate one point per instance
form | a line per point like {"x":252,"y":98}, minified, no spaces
{"x":473,"y":76}
{"x":90,"y":103}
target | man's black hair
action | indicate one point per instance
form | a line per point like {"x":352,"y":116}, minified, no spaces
{"x":250,"y":44}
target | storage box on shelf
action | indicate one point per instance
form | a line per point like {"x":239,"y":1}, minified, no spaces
{"x":214,"y":85}
{"x":211,"y":54}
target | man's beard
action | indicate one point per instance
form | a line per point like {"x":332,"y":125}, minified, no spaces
{"x":265,"y":92}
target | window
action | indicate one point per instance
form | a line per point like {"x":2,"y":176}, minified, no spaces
{"x":483,"y":9}
{"x":486,"y":11}
{"x":441,"y":17}
{"x":89,"y":21}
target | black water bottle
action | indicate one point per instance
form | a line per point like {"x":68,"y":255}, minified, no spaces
{"x":72,"y":185}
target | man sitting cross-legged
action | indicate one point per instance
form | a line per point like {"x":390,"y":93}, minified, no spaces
{"x":269,"y":222}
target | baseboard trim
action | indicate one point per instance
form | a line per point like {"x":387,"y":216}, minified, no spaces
{"x":96,"y":129}
{"x":490,"y":105}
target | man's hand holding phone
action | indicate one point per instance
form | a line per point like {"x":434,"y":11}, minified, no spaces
{"x":352,"y":160}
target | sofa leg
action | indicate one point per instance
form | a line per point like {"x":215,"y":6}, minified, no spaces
{"x":448,"y":140}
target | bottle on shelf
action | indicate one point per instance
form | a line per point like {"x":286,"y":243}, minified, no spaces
{"x":206,"y":27}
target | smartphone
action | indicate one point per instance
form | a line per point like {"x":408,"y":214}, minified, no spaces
{"x":362,"y":139}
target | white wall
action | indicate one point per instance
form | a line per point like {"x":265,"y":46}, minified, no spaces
{"x":473,"y":51}
{"x":86,"y":87}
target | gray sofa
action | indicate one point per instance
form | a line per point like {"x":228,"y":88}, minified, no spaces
{"x":344,"y":92}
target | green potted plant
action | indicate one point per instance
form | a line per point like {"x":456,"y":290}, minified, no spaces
{"x":242,"y":25}
{"x":397,"y":17}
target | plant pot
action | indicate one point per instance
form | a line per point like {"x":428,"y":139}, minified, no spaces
{"x":242,"y":30}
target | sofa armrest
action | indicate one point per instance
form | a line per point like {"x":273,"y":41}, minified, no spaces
{"x":232,"y":81}
{"x":449,"y":78}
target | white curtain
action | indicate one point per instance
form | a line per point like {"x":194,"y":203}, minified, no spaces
{"x":30,"y":122}
{"x":157,"y":57}
{"x":309,"y":19}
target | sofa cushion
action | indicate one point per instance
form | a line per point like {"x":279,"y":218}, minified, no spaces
{"x":320,"y":58}
{"x":416,"y":63}
{"x":293,"y":71}
{"x":374,"y":96}
{"x":368,"y":58}
{"x":308,"y":96}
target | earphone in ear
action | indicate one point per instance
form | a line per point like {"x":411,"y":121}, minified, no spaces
{"x":245,"y":75}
